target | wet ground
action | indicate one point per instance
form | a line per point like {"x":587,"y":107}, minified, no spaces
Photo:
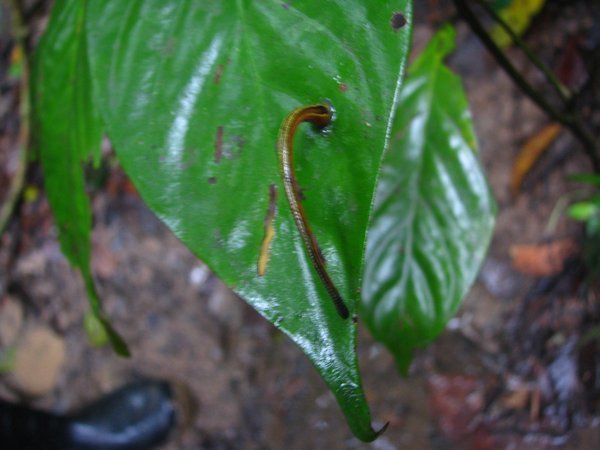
{"x":509,"y":372}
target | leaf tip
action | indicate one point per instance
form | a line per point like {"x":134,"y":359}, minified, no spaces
{"x":117,"y":342}
{"x":382,"y":429}
{"x":374,"y":434}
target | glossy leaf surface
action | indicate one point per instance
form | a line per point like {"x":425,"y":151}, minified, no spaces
{"x":68,"y":131}
{"x":193,"y":94}
{"x":433,"y":215}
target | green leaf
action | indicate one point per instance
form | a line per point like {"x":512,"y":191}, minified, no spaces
{"x":433,"y":215}
{"x":193,"y":94}
{"x":582,"y":211}
{"x":588,"y":178}
{"x":68,"y":131}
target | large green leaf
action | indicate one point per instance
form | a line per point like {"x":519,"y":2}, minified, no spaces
{"x":68,"y":131}
{"x":433,"y":215}
{"x":193,"y":94}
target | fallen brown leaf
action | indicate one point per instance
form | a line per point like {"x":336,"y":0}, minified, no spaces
{"x":455,"y":400}
{"x":542,"y":260}
{"x":530,"y":153}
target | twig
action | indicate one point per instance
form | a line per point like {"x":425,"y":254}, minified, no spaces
{"x":591,"y":145}
{"x":564,"y":92}
{"x":16,"y":187}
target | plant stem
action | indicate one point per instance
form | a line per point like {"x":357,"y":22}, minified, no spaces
{"x":564,"y":92}
{"x":19,"y":33}
{"x":591,"y":145}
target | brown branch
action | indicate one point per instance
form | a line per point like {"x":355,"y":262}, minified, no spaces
{"x":574,"y":123}
{"x":564,"y":93}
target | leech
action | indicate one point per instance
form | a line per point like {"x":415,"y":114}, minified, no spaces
{"x":265,"y":247}
{"x":320,"y":116}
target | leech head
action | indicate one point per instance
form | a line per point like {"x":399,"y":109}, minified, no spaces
{"x":330,"y":108}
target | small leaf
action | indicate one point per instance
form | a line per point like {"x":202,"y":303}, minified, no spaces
{"x":433,"y":213}
{"x":518,"y":15}
{"x":530,"y":153}
{"x":68,"y":132}
{"x":117,"y":342}
{"x":571,"y":68}
{"x":582,"y":211}
{"x":543,"y":260}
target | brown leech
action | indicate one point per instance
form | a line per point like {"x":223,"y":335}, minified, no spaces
{"x":320,"y":116}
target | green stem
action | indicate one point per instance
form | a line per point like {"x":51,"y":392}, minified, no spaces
{"x":16,"y":187}
{"x":591,"y":145}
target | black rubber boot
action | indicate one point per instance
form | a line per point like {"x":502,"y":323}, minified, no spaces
{"x":135,"y":417}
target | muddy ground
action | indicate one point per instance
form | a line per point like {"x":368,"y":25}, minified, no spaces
{"x":507,"y":373}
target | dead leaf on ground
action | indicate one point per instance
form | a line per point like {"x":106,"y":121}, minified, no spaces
{"x":542,"y":260}
{"x":455,"y":401}
{"x":571,"y":67}
{"x":530,"y":153}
